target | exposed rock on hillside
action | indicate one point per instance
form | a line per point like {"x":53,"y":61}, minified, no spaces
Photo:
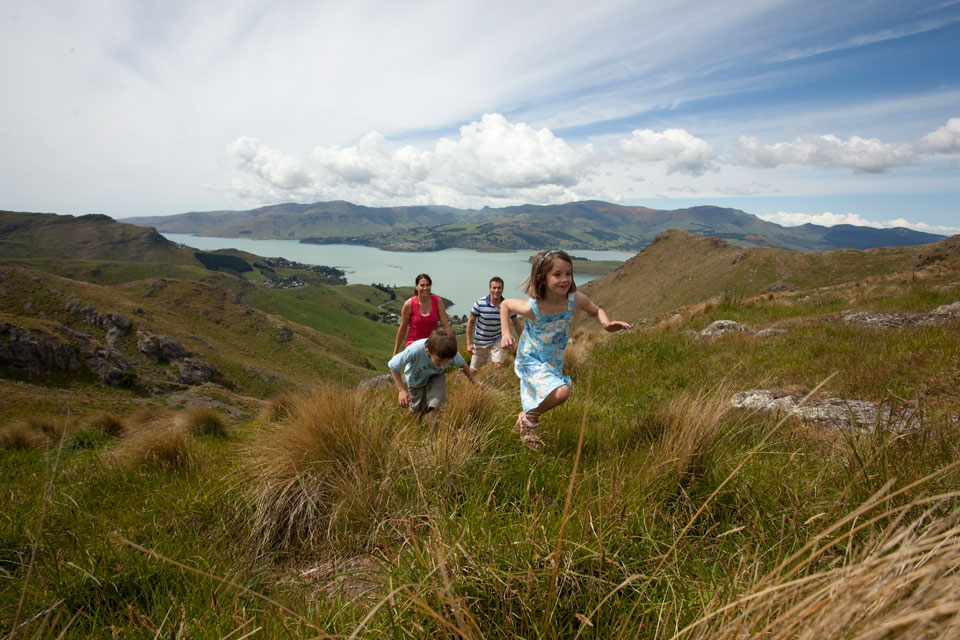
{"x":941,"y":314}
{"x":843,"y":413}
{"x":721,"y":327}
{"x":156,"y":348}
{"x":40,"y":353}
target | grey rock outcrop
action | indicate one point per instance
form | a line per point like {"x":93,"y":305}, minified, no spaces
{"x":721,"y":327}
{"x":843,"y":413}
{"x":944,"y":313}
{"x":41,"y":353}
{"x":36,"y":352}
{"x":160,"y":348}
{"x":194,"y":371}
{"x":376,"y":382}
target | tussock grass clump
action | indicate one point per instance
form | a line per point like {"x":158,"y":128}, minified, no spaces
{"x":327,"y":468}
{"x":22,"y":434}
{"x":167,"y":446}
{"x":36,"y":431}
{"x":279,"y":407}
{"x":109,"y":423}
{"x":692,"y":423}
{"x":204,"y":421}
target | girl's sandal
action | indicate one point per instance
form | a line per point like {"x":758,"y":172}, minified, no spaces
{"x":528,"y":432}
{"x":531,"y":441}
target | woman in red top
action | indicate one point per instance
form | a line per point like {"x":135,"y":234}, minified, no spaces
{"x":420,"y":314}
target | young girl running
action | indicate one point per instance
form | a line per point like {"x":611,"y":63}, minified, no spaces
{"x":548,"y":312}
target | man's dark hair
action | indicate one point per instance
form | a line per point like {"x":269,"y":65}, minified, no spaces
{"x":442,"y":343}
{"x":495,"y":279}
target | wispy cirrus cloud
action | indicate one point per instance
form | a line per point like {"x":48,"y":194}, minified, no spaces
{"x":861,"y":40}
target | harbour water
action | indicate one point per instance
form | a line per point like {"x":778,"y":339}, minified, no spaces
{"x":460,"y":275}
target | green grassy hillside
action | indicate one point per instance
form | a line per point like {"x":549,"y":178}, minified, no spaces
{"x":656,"y":510}
{"x":97,"y":237}
{"x":680,"y":269}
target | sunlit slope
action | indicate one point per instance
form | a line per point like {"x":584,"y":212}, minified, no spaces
{"x":680,"y":268}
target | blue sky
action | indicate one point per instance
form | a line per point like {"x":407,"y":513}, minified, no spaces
{"x":795,"y":111}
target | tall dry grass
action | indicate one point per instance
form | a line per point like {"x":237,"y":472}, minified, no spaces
{"x":36,"y":431}
{"x":691,"y":423}
{"x":902,"y":583}
{"x":204,"y":421}
{"x":327,"y":467}
{"x":166,"y":445}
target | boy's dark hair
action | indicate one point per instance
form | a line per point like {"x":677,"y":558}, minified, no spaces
{"x":536,"y":284}
{"x":442,"y":343}
{"x":495,"y":279}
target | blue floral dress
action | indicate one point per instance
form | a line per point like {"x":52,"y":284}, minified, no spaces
{"x":539,"y":361}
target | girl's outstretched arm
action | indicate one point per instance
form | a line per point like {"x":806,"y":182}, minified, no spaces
{"x":582,"y":302}
{"x":520,"y":307}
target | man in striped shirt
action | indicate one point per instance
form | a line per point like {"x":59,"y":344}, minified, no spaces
{"x":484,"y":342}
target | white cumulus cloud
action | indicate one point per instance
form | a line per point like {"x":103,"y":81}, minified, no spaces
{"x":270,"y":165}
{"x":682,"y":151}
{"x":496,"y":155}
{"x":491,"y":158}
{"x":862,"y":155}
{"x":946,"y":139}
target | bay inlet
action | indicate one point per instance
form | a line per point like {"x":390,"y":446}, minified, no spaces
{"x":460,"y":275}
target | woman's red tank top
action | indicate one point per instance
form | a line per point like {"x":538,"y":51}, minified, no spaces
{"x":422,"y":326}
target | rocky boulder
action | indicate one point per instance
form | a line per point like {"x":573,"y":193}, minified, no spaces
{"x":721,"y":327}
{"x":843,"y":413}
{"x":159,"y":348}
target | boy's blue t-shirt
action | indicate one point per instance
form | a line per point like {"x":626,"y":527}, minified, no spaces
{"x":417,"y":366}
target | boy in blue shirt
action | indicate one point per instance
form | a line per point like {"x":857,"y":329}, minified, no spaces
{"x":422,"y":364}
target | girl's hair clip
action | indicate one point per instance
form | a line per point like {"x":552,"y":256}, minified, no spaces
{"x":544,"y":256}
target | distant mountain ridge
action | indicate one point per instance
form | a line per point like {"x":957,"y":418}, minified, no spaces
{"x":575,"y":225}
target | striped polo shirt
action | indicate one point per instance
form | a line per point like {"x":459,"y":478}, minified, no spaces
{"x":488,"y":322}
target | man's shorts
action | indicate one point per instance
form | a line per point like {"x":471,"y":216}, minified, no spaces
{"x":430,"y":396}
{"x":482,"y":354}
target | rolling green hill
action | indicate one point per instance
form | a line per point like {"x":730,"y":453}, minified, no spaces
{"x":572,"y":226}
{"x":82,"y":298}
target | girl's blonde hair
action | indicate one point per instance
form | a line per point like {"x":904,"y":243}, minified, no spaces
{"x":536,"y":284}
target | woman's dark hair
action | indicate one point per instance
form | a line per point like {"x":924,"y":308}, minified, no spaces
{"x":416,"y":280}
{"x":536,"y":284}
